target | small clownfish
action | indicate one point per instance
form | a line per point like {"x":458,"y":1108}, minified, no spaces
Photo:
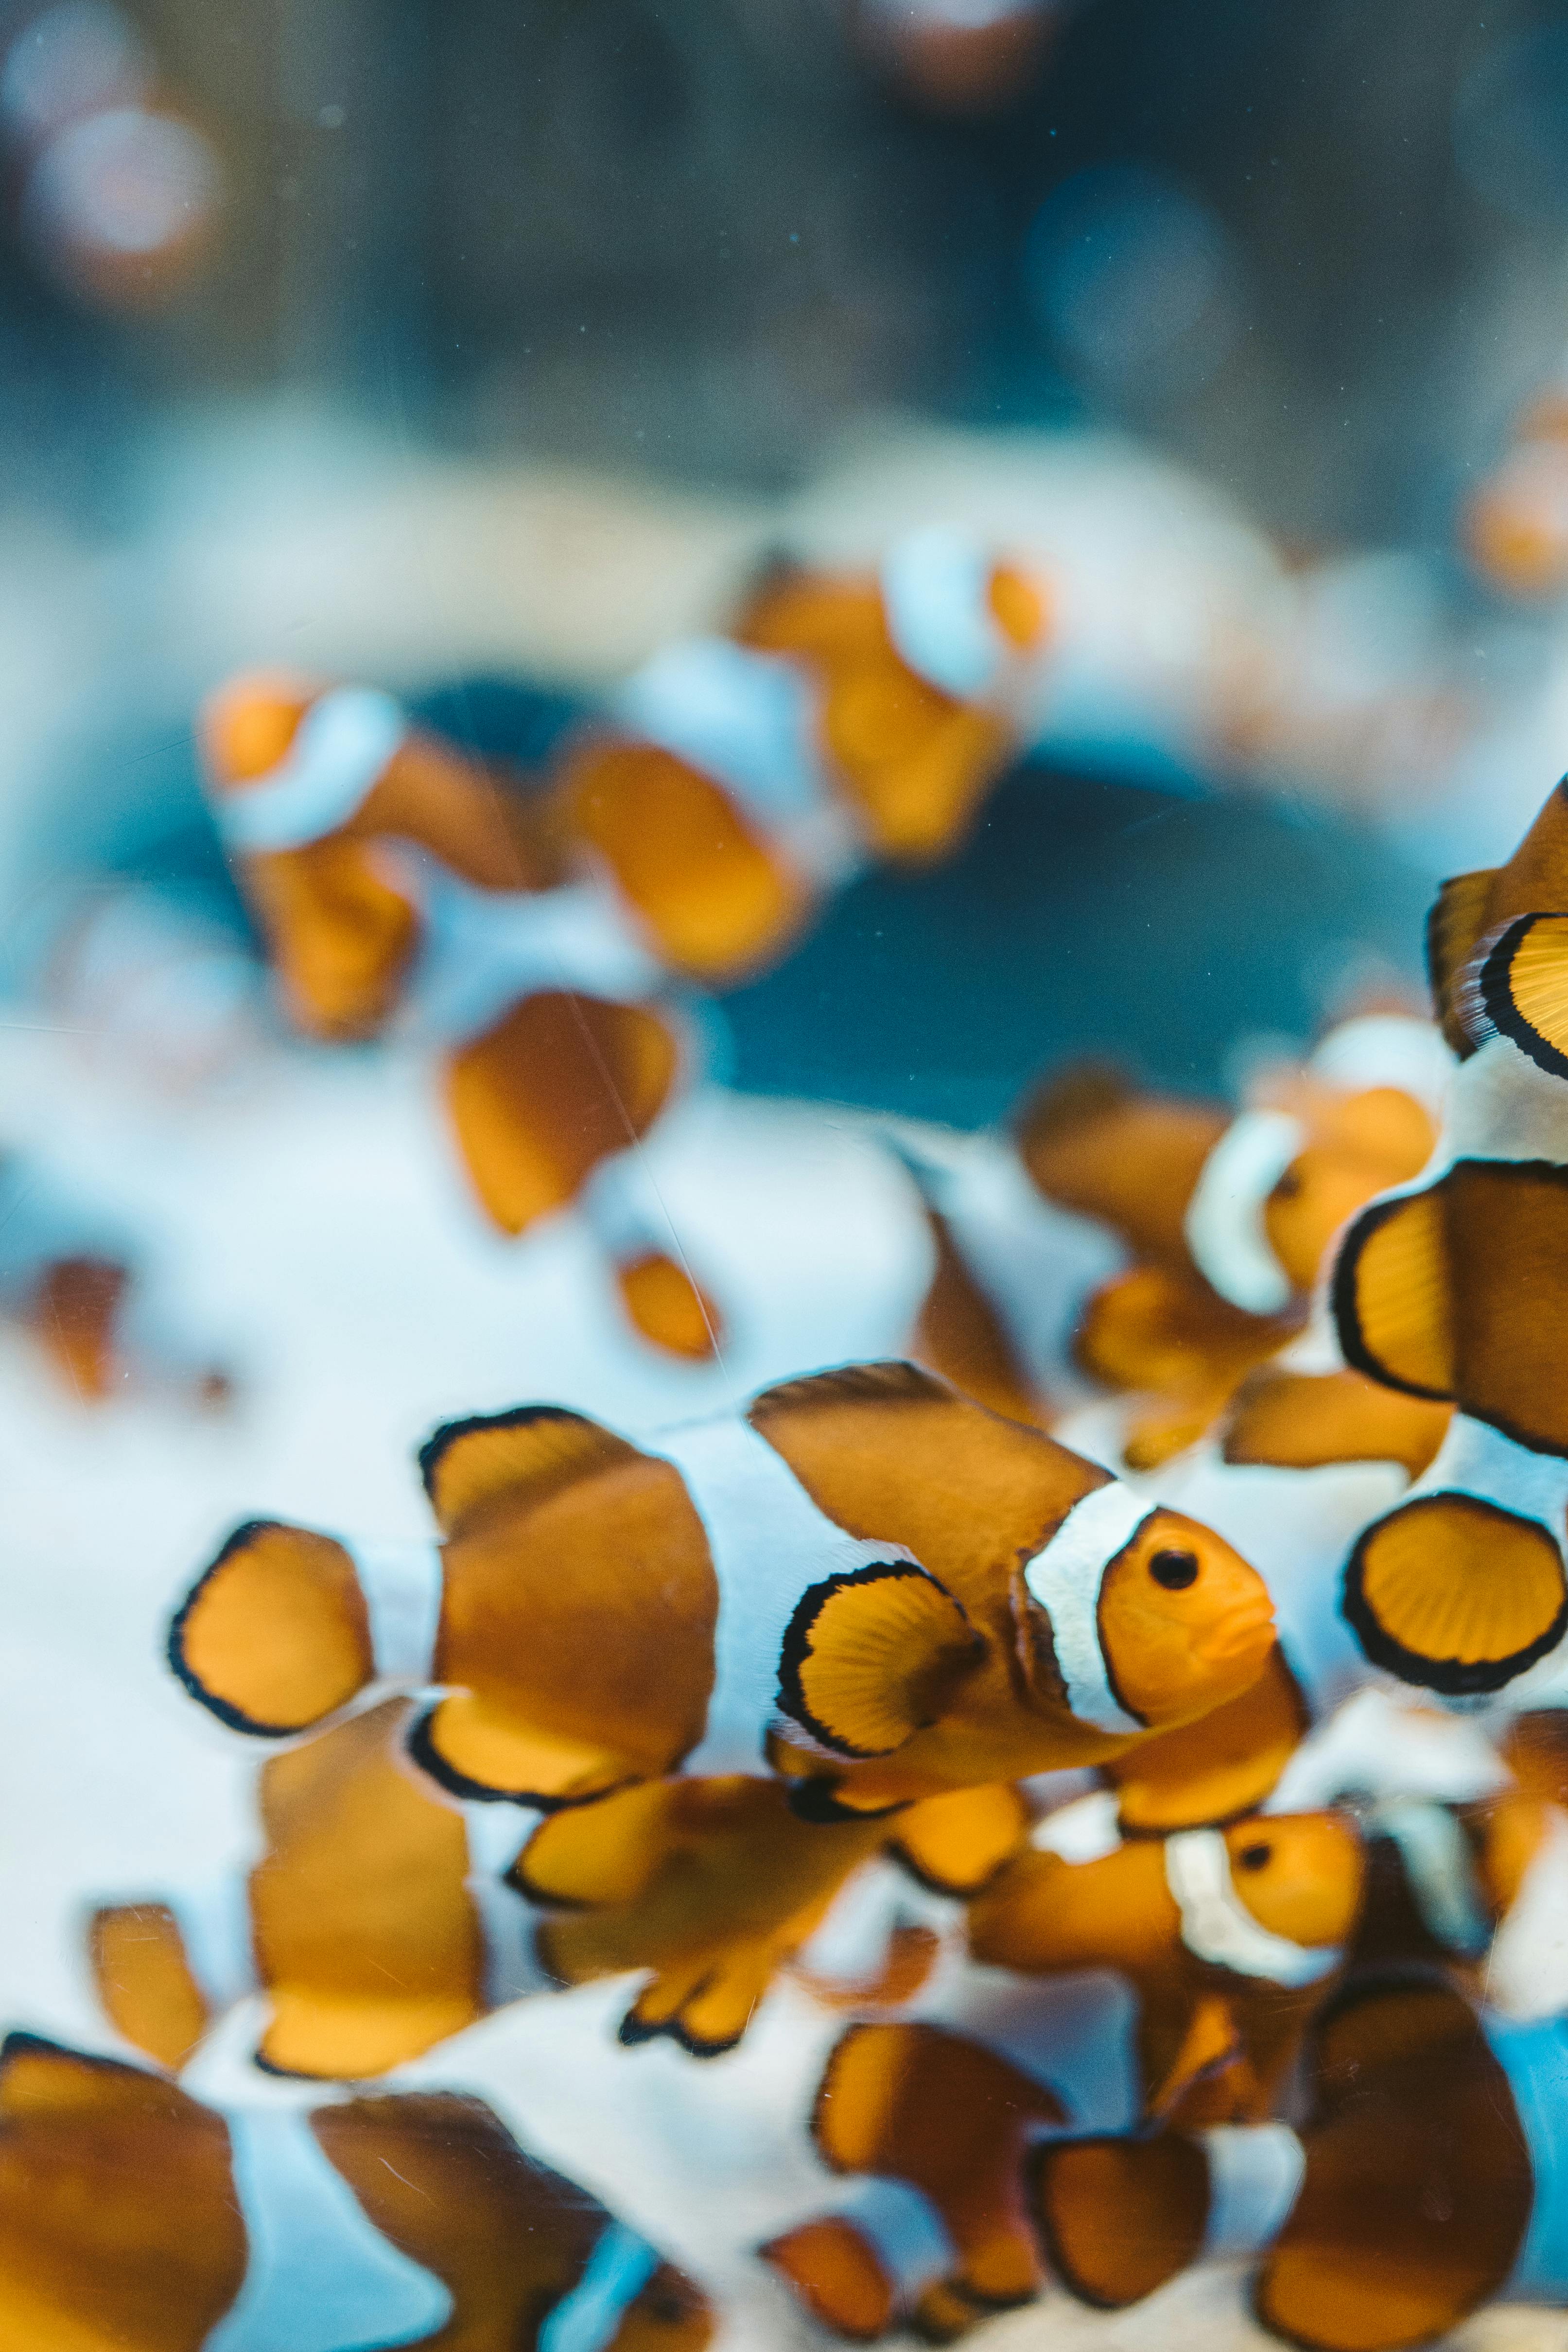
{"x":394,"y":878}
{"x":75,"y":1280}
{"x":1229,"y":1936}
{"x":863,"y":1592}
{"x":1218,"y":1226}
{"x":132,"y":2213}
{"x":738,"y":783}
{"x":1515,"y":526}
{"x":1428,"y":2178}
{"x":1450,"y":1290}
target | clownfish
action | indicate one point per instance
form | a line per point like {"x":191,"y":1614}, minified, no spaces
{"x":134,"y":2212}
{"x":1429,"y":2176}
{"x":693,"y":1660}
{"x":688,"y":840}
{"x":1515,"y":526}
{"x":1230,"y":1938}
{"x":1160,"y":1245}
{"x":1449,"y":1290}
{"x":72,"y":1277}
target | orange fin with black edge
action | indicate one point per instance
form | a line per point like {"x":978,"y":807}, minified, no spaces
{"x":275,"y":1637}
{"x":523,"y":1455}
{"x":1456,"y":1594}
{"x":955,"y":1844}
{"x":1518,"y":992}
{"x":1306,"y":1421}
{"x":480,"y":1754}
{"x":1391,"y":1295}
{"x":872,"y":1655}
{"x":1119,"y":2218}
{"x":1454,"y":929}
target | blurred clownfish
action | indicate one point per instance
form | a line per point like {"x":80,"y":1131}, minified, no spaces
{"x":537,"y":941}
{"x":1157,"y":1245}
{"x":133,"y":2213}
{"x":865,"y":1591}
{"x":1450,"y":1290}
{"x":1428,"y":2178}
{"x":1515,"y":526}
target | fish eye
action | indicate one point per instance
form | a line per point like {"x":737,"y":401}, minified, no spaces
{"x":1253,"y":1857}
{"x":1289,"y":1186}
{"x":1175,"y":1569}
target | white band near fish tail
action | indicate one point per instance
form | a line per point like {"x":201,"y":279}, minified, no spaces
{"x":319,"y":2275}
{"x":936,"y":594}
{"x":1065,"y":1577}
{"x":340,"y":749}
{"x":1254,"y":2174}
{"x":400,"y":1581}
{"x":1224,"y":1223}
{"x":1534,"y":2057}
{"x":1217,"y":1926}
{"x":588,"y":2316}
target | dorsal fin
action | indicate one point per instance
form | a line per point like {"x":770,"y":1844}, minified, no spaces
{"x":532,"y":1452}
{"x":37,"y":2074}
{"x":889,"y":1383}
{"x":1454,"y":930}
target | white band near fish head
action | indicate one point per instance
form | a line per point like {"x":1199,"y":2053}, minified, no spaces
{"x":1065,"y":1577}
{"x":341,"y":750}
{"x":936,"y":593}
{"x":748,"y":720}
{"x":1223,"y":1223}
{"x":1255,"y":2174}
{"x":1217,"y":1926}
{"x":400,"y":1581}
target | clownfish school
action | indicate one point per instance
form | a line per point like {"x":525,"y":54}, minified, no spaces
{"x":1061,"y":1793}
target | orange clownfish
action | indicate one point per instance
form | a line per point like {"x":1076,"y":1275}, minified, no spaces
{"x":133,"y":2213}
{"x":1452,"y":1291}
{"x":1428,"y":2178}
{"x":1230,"y":1938}
{"x":536,"y":942}
{"x":1214,"y":1229}
{"x":715,"y":1666}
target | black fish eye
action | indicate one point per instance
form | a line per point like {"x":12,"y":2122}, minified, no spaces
{"x":1175,"y":1569}
{"x":1253,"y":1857}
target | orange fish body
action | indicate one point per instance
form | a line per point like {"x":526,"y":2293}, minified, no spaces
{"x":1230,"y":1938}
{"x":837,"y":1635}
{"x":130,"y":2212}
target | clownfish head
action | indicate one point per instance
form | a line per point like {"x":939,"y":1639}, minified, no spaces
{"x":1142,"y":1618}
{"x":1300,"y":1877}
{"x":248,"y":725}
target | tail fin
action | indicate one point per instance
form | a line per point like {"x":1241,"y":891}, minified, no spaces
{"x":276,"y":1636}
